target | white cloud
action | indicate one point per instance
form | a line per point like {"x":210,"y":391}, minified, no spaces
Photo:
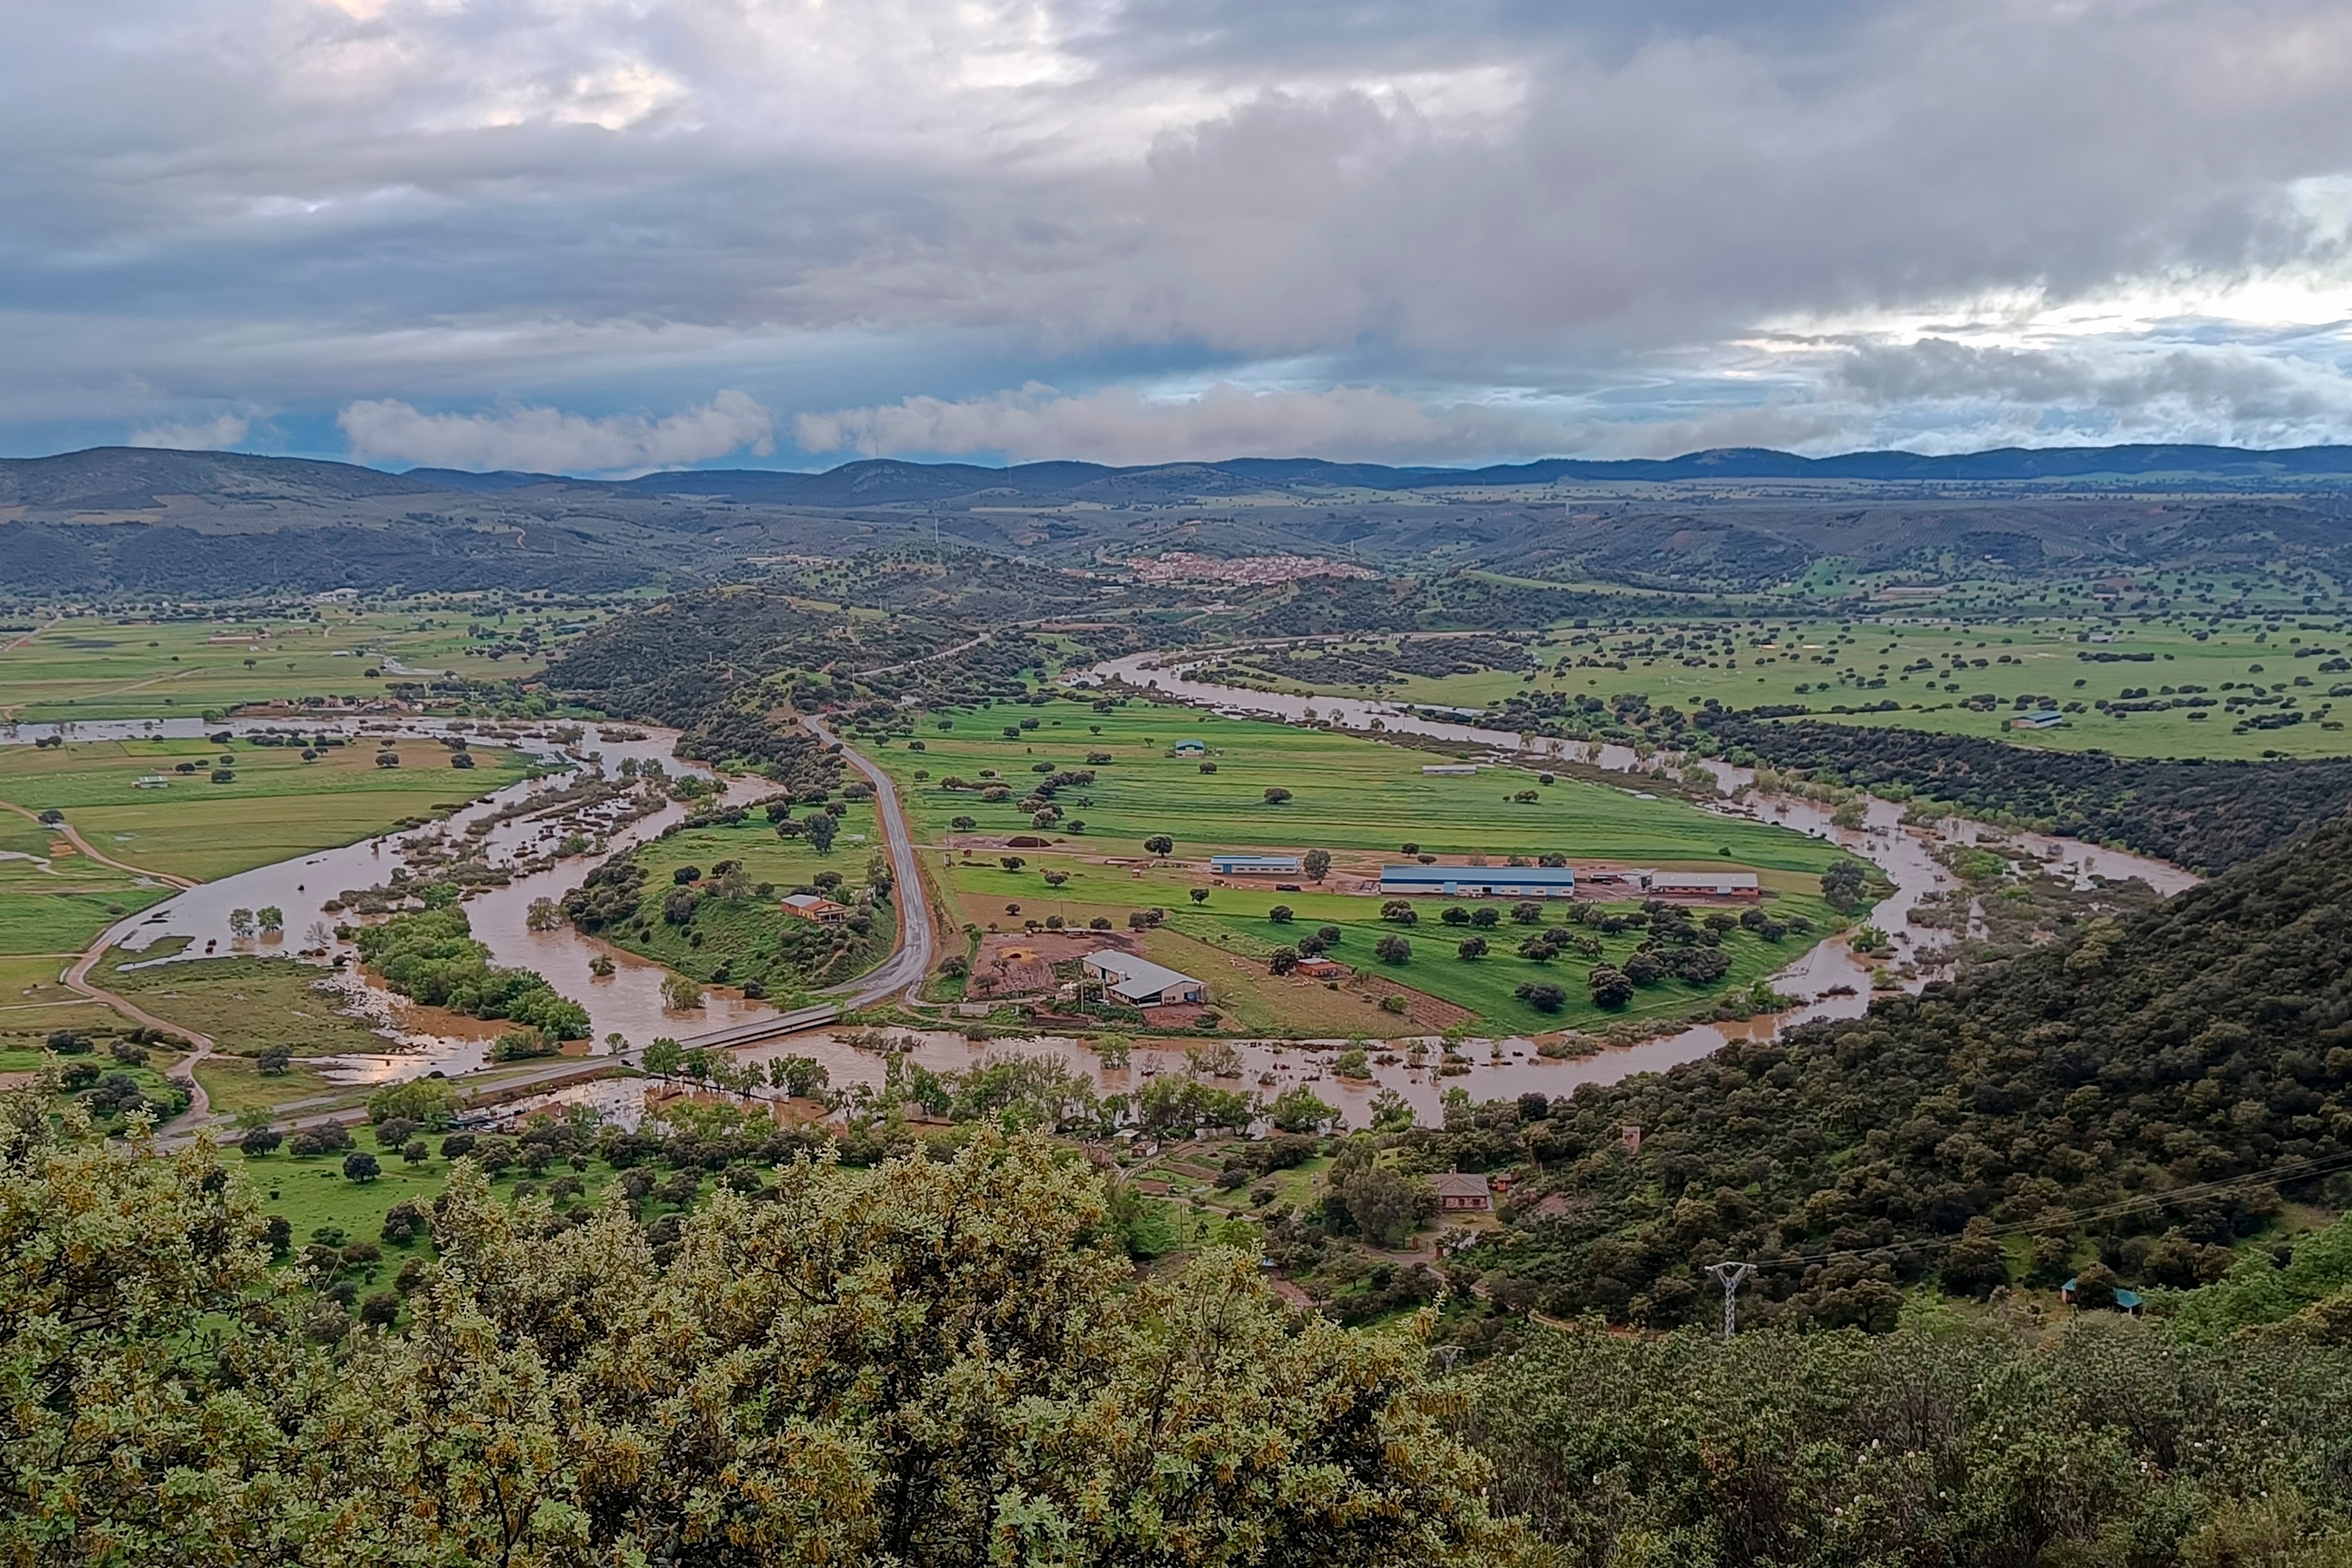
{"x":221,"y":430}
{"x":1120,"y":425}
{"x":548,"y":440}
{"x":1592,"y":210}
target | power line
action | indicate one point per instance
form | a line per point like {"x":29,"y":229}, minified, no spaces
{"x":1731,"y":1274}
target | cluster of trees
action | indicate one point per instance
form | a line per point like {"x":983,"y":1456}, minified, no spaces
{"x":943,"y":1364}
{"x":2111,"y":1445}
{"x":2138,"y":1094}
{"x":713,"y":664}
{"x":2208,"y":815}
{"x":1320,"y":664}
{"x":431,"y":956}
{"x":1019,"y":1093}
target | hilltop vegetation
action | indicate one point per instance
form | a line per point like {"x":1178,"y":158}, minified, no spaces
{"x":728,"y":666}
{"x":2205,"y":815}
{"x":2109,"y":1445}
{"x":2139,"y":1096}
{"x":934,"y":1364}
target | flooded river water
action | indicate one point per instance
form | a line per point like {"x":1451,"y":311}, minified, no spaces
{"x":1832,"y":980}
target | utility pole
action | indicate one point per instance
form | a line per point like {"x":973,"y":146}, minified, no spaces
{"x":1731,"y":1274}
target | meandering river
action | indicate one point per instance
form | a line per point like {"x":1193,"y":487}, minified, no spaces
{"x":1834,"y":981}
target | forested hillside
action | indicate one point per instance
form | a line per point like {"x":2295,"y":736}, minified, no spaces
{"x":2137,"y":1096}
{"x":2108,"y":1447}
{"x":2205,"y":815}
{"x":730,"y":666}
{"x":938,"y":1363}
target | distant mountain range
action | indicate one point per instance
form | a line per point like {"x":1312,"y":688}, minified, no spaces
{"x":138,"y":519}
{"x":120,"y":478}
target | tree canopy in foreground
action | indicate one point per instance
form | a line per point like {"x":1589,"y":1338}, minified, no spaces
{"x":930,"y":1362}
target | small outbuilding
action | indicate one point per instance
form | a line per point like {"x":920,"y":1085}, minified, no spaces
{"x":1189,"y":747}
{"x":1462,"y":1192}
{"x":816,"y":907}
{"x":1253,"y":865}
{"x":1140,"y":983}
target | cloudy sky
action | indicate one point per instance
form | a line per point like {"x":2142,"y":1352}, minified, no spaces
{"x":610,"y":236}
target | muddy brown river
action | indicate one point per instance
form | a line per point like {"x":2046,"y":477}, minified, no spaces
{"x":628,"y":1001}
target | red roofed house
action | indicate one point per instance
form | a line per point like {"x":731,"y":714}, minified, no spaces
{"x":1457,"y":1192}
{"x":812,"y":906}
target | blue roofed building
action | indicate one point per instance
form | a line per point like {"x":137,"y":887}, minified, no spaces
{"x":1480,"y":881}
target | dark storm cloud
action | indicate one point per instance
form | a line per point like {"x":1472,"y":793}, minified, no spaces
{"x":1537,"y":224}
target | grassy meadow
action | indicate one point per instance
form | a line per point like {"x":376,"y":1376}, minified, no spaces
{"x":1359,"y":799}
{"x":97,"y":667}
{"x":1347,"y":794}
{"x":746,"y":939}
{"x":276,"y":805}
{"x":1931,"y":664}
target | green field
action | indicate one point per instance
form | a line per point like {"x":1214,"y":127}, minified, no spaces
{"x":1359,"y":799}
{"x":1224,"y":941}
{"x":1347,"y":794}
{"x":1932,"y":670}
{"x":311,"y":1192}
{"x":57,"y":899}
{"x":276,"y":805}
{"x":93,"y":666}
{"x":244,"y":1003}
{"x":749,"y":938}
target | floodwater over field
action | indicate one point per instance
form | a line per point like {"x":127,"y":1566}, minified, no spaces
{"x":423,"y":1039}
{"x":1829,"y":977}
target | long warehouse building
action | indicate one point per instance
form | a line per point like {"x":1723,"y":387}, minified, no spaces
{"x":1481,"y":880}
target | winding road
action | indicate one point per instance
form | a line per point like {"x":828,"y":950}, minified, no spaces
{"x":77,"y":975}
{"x":918,"y":943}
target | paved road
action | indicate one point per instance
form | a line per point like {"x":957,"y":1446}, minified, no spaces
{"x":917,"y":941}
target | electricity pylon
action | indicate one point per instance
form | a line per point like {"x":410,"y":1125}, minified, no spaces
{"x":1731,"y":1274}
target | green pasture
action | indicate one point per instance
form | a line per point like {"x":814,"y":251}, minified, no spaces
{"x":54,"y":899}
{"x":244,"y":1003}
{"x":787,"y":862}
{"x":275,"y":807}
{"x":33,"y":998}
{"x":312,"y":1191}
{"x":1360,"y":799}
{"x":28,"y":1052}
{"x":1932,"y":663}
{"x":95,"y":666}
{"x":1235,"y":920}
{"x":1345,"y":794}
{"x":744,"y":937}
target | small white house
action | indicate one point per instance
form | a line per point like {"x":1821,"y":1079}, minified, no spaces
{"x":1140,"y":983}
